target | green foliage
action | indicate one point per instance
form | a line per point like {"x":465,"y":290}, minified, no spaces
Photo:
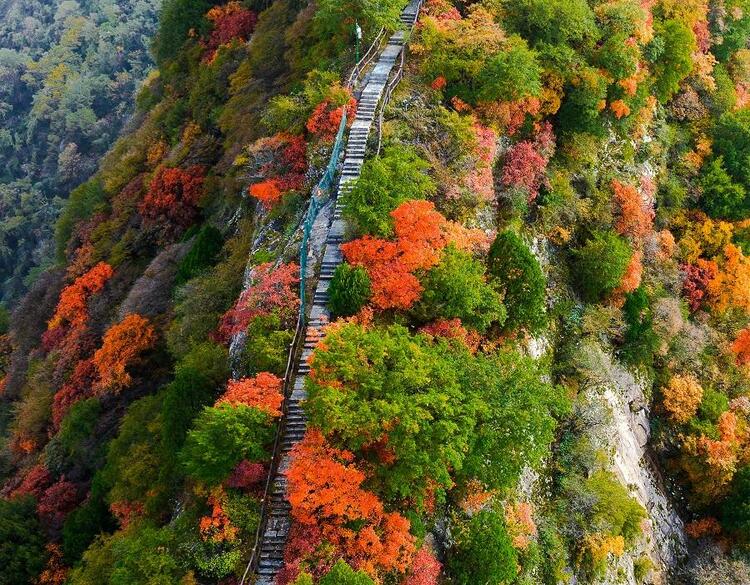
{"x":517,"y":420}
{"x":735,"y":511}
{"x":223,"y":436}
{"x":618,"y":57}
{"x":519,"y":278}
{"x":197,"y":379}
{"x":349,"y":290}
{"x":82,"y":203}
{"x":600,"y":264}
{"x":722,"y":198}
{"x":554,"y":22}
{"x":176,"y":20}
{"x":141,"y":555}
{"x":614,"y":512}
{"x":406,"y":383}
{"x":289,"y":113}
{"x":674,"y":62}
{"x":641,"y":341}
{"x":457,"y":288}
{"x":580,"y":111}
{"x":483,"y":552}
{"x":386,"y":182}
{"x":332,"y":23}
{"x":385,"y":378}
{"x":132,"y":468}
{"x":266,"y":346}
{"x":735,"y":33}
{"x":511,"y":74}
{"x":22,"y":554}
{"x":732,"y":142}
{"x":342,"y":574}
{"x":202,"y":255}
{"x":72,"y":445}
{"x":86,"y":522}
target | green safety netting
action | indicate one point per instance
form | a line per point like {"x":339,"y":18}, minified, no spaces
{"x":319,"y":194}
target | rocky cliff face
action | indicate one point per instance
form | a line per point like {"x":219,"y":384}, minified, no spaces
{"x":625,"y":436}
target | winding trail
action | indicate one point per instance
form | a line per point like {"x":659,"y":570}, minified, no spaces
{"x":276,"y":521}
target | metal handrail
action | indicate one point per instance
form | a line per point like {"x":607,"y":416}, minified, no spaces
{"x":386,"y":99}
{"x":363,"y":63}
{"x":299,"y":334}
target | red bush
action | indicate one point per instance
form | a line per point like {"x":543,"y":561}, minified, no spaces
{"x":246,"y":475}
{"x":273,"y":291}
{"x":230,"y":21}
{"x":57,"y":502}
{"x":171,"y":203}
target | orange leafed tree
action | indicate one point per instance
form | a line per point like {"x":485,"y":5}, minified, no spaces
{"x":267,"y":192}
{"x":741,"y":347}
{"x":635,"y":217}
{"x":682,"y":396}
{"x":421,"y":235}
{"x":262,"y":392}
{"x":731,"y":286}
{"x":71,"y":308}
{"x":122,"y":346}
{"x":325,"y":492}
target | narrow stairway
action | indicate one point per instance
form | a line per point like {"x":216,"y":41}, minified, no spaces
{"x":273,"y":539}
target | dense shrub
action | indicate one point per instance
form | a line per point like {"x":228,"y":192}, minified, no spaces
{"x":518,"y":276}
{"x":457,"y":289}
{"x":349,"y":290}
{"x":385,"y":183}
{"x":22,"y":554}
{"x":600,"y":264}
{"x":202,"y":255}
{"x":483,"y":551}
{"x":222,"y":437}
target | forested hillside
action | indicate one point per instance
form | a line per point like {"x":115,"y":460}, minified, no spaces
{"x":536,"y":366}
{"x":69,"y":73}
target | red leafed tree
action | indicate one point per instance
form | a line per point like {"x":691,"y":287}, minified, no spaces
{"x":303,"y":545}
{"x":262,"y":392}
{"x":35,"y":482}
{"x":325,"y":491}
{"x":71,"y":308}
{"x":425,"y":570}
{"x":57,"y":501}
{"x":325,"y":119}
{"x":741,"y":347}
{"x":273,"y":290}
{"x":246,"y":475}
{"x":635,"y":217}
{"x":526,"y":161}
{"x":121,"y":347}
{"x":697,"y":278}
{"x":524,"y":168}
{"x":231,"y":21}
{"x":278,"y":164}
{"x":453,"y":329}
{"x":171,"y":202}
{"x":80,"y":385}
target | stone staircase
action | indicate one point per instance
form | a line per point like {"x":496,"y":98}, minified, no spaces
{"x":273,"y":539}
